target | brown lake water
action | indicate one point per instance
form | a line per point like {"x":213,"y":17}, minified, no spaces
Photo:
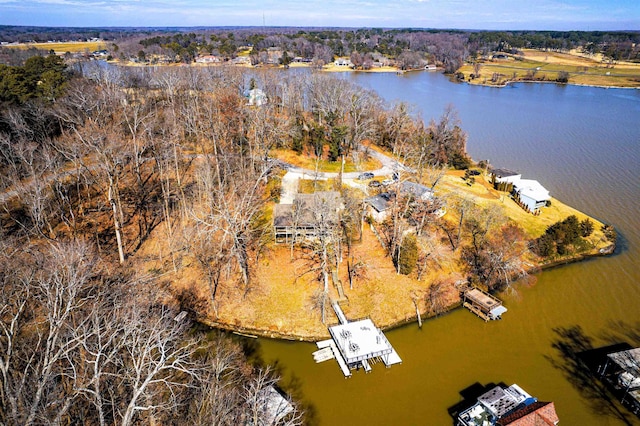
{"x":581,"y":143}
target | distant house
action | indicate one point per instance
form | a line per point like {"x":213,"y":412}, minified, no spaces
{"x":531,"y":194}
{"x":274,"y":54}
{"x":241,"y":60}
{"x":257,"y":97}
{"x":504,"y":176}
{"x":343,"y":62}
{"x":508,"y":406}
{"x":208,"y":59}
{"x":309,"y":216}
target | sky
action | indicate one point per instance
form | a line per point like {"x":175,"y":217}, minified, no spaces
{"x":459,"y":14}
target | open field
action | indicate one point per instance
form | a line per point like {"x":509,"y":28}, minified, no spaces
{"x":534,"y":65}
{"x":62,"y":48}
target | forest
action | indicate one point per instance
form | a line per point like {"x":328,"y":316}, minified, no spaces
{"x":408,"y":48}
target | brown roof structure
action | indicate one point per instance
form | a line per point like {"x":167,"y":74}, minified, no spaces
{"x":536,"y":414}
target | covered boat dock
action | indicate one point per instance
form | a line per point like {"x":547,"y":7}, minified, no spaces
{"x":356,"y":344}
{"x":483,"y":304}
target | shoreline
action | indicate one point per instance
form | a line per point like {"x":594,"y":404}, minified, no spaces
{"x":509,"y":83}
{"x":409,"y":317}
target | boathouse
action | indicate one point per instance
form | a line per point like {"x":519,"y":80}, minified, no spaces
{"x":356,"y":344}
{"x":483,"y":304}
{"x":508,"y":406}
{"x":622,"y":371}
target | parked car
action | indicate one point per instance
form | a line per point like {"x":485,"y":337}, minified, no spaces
{"x":365,"y":176}
{"x":375,"y":184}
{"x":387,"y":182}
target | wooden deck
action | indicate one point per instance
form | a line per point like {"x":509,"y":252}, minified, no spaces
{"x":329,"y":343}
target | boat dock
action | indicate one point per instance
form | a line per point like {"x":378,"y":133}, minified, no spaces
{"x":483,"y":304}
{"x":356,"y":344}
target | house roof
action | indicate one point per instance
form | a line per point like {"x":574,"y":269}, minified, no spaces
{"x":415,"y":189}
{"x":308,"y":206}
{"x":500,"y":401}
{"x":379,"y":202}
{"x":538,"y":413}
{"x":532,"y":189}
{"x":502,"y":173}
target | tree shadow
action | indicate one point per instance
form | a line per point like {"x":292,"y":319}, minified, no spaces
{"x":579,"y":362}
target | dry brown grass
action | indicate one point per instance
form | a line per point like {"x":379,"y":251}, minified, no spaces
{"x":546,"y":66}
{"x":483,"y":194}
{"x":308,"y":161}
{"x":62,"y":48}
{"x":279,"y":302}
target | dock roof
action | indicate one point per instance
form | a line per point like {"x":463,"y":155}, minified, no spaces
{"x":360,"y":340}
{"x":628,"y":360}
{"x":483,"y":299}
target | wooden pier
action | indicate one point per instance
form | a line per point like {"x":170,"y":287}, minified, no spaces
{"x":483,"y":304}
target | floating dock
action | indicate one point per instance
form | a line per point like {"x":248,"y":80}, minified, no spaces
{"x":483,"y":304}
{"x":356,"y":344}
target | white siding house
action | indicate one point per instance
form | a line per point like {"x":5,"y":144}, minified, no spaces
{"x":257,"y":97}
{"x":531,"y":193}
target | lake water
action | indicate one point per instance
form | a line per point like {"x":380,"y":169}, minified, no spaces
{"x":581,"y":143}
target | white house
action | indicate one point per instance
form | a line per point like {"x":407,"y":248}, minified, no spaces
{"x":342,"y":62}
{"x":257,"y":97}
{"x":207,"y":59}
{"x":531,"y":194}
